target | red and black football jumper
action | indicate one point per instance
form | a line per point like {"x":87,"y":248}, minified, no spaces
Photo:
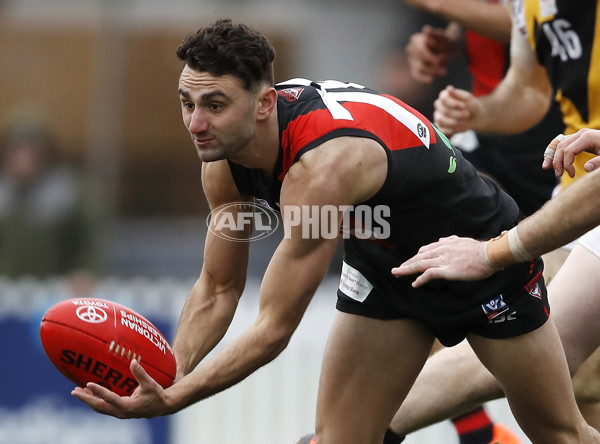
{"x":431,"y":192}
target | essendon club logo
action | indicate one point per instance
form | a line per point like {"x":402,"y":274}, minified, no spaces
{"x":291,"y":94}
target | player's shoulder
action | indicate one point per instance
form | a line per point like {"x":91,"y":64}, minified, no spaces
{"x":356,"y":165}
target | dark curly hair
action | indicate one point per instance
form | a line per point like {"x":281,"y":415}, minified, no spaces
{"x":226,"y":48}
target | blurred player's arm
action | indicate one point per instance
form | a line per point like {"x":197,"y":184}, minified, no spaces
{"x":489,"y":19}
{"x":519,"y":102}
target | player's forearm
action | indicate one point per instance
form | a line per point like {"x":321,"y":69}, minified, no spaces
{"x":247,"y":353}
{"x":206,"y":316}
{"x":283,"y":301}
{"x":575,"y":211}
{"x":488,"y":19}
{"x":512,"y":108}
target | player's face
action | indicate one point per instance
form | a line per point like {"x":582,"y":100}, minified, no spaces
{"x":218,"y":112}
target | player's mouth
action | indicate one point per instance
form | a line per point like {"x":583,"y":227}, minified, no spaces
{"x":202,"y":142}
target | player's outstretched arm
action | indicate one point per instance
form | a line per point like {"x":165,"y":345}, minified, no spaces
{"x":206,"y":316}
{"x":487,"y":18}
{"x":456,"y":258}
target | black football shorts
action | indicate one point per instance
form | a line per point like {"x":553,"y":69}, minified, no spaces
{"x":509,"y":303}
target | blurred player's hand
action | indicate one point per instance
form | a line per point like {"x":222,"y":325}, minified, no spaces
{"x":428,"y":53}
{"x":456,"y":110}
{"x":560,"y":153}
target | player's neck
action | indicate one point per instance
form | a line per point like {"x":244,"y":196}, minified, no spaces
{"x":263,"y":149}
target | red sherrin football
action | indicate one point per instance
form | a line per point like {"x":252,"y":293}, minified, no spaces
{"x":94,"y":340}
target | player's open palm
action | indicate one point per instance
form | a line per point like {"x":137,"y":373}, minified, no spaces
{"x":148,"y":400}
{"x":456,"y":110}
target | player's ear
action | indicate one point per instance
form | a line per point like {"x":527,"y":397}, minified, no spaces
{"x":267,"y":102}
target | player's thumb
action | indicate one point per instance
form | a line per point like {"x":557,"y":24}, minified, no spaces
{"x":139,"y":373}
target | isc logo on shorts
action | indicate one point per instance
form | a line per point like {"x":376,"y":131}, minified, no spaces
{"x":494,"y":307}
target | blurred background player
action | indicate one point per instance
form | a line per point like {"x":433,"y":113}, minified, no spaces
{"x":47,"y":222}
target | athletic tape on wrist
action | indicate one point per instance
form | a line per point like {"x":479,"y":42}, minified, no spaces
{"x":517,"y":248}
{"x":497,"y":252}
{"x":486,"y":258}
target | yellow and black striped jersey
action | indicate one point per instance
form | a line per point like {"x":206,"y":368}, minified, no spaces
{"x":564,"y":36}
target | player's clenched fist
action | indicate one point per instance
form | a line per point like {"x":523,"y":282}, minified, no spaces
{"x":456,"y":110}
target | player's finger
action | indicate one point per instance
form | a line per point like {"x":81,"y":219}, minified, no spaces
{"x":446,"y":125}
{"x":458,"y":94}
{"x":450,"y":107}
{"x":407,"y":268}
{"x":446,"y":130}
{"x":565,"y":154}
{"x":426,"y":276}
{"x":592,"y":164}
{"x":95,"y":402}
{"x":142,"y":377}
{"x":103,"y":393}
{"x":549,"y":153}
{"x":418,"y":264}
{"x":83,"y":390}
{"x":452,"y":98}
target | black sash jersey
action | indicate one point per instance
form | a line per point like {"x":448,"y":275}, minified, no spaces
{"x":430,"y":189}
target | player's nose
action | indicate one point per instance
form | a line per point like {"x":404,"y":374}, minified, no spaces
{"x":199,"y":122}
